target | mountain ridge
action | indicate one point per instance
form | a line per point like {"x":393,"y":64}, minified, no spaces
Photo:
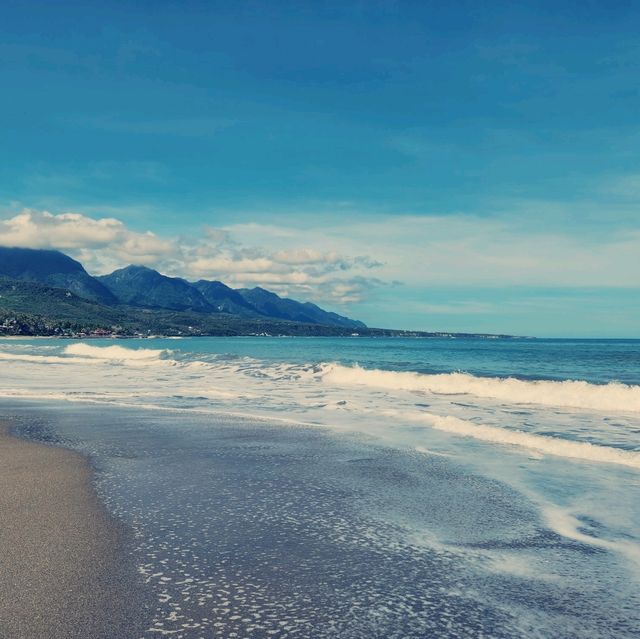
{"x":225,"y":298}
{"x":32,"y":308}
{"x":54,"y":268}
{"x":273,"y":305}
{"x":145,"y":288}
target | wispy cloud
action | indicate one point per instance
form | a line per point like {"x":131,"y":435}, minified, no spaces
{"x":464,"y":307}
{"x":525,"y":244}
{"x":105,"y":243}
{"x":342,"y":261}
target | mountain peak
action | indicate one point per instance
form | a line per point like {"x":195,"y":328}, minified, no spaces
{"x":138,"y":285}
{"x":135,"y":270}
{"x":225,"y":299}
{"x":38,"y":262}
{"x":54,"y":268}
{"x":141,"y":286}
{"x":138,"y":268}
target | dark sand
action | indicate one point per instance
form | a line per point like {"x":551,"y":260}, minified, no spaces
{"x":62,"y":570}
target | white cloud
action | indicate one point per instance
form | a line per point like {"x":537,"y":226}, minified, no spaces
{"x":306,"y":256}
{"x":341,"y":261}
{"x":227,"y":264}
{"x":69,"y":230}
{"x":303,"y":272}
{"x":104,"y":244}
{"x":103,"y":241}
{"x":461,"y":250}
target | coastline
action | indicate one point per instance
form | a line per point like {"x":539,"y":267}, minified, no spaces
{"x":63,"y":571}
{"x":240,"y":527}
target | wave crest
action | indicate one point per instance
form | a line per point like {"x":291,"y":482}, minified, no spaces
{"x":573,"y":394}
{"x":115,"y":352}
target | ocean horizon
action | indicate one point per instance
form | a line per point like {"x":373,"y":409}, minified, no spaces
{"x":319,"y":320}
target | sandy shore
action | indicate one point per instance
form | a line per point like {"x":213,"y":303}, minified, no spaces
{"x":62,"y":573}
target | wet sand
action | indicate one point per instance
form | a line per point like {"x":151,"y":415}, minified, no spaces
{"x":62,"y":570}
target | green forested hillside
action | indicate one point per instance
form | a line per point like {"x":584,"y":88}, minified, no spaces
{"x":28,"y":308}
{"x":144,"y":288}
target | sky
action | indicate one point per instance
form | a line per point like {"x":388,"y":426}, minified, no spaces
{"x":424,"y":165}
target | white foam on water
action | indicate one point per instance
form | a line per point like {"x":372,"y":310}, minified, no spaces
{"x":341,"y":397}
{"x":41,"y":359}
{"x":429,"y":452}
{"x":613,"y":396}
{"x":414,"y":411}
{"x":584,"y":451}
{"x":117,"y":353}
{"x":87,"y":354}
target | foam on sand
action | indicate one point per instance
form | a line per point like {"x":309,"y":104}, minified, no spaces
{"x":573,"y":394}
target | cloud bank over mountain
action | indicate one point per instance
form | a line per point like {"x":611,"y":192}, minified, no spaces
{"x":103,"y":244}
{"x":508,"y":261}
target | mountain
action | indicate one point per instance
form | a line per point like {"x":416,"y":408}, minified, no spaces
{"x":225,"y":299}
{"x":55,"y":269}
{"x":31,"y":308}
{"x":272,"y":305}
{"x":144,"y":287}
{"x":34,"y":298}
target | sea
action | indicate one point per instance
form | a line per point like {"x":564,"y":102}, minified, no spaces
{"x":357,"y":487}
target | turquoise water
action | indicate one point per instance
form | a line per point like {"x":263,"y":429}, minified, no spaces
{"x":597,"y":361}
{"x":584,"y":391}
{"x":507,"y":469}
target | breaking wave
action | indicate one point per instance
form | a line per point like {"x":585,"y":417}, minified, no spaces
{"x":115,"y":352}
{"x":573,"y":394}
{"x":347,"y":398}
{"x":86,"y":354}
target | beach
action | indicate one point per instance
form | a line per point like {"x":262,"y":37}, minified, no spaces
{"x":248,"y":488}
{"x":319,"y":320}
{"x":248,"y":527}
{"x":62,"y":570}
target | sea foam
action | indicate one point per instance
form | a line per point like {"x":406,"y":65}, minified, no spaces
{"x":343,"y":397}
{"x":115,"y":352}
{"x":585,"y":451}
{"x":573,"y":394}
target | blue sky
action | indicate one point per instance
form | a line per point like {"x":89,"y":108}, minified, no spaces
{"x":420,"y":165}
